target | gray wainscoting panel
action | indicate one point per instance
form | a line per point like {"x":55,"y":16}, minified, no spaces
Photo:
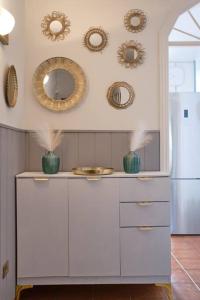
{"x":12,"y":162}
{"x":94,"y":149}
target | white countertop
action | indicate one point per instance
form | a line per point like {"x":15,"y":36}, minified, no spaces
{"x":71,"y":175}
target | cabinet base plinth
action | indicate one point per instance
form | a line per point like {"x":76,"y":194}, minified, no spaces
{"x":168,"y":288}
{"x":20,"y":288}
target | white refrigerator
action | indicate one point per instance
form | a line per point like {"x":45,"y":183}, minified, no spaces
{"x":185,"y":121}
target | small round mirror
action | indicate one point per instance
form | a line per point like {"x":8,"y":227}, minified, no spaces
{"x":56,"y":26}
{"x":59,"y":84}
{"x":135,"y":20}
{"x":120,"y":95}
{"x":95,"y":39}
{"x":131,"y":54}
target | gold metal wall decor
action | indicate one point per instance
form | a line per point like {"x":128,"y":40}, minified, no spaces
{"x":59,"y":83}
{"x":120,"y":95}
{"x":11,"y":87}
{"x":135,"y":20}
{"x":131,"y":54}
{"x":55,"y":26}
{"x":95,"y":39}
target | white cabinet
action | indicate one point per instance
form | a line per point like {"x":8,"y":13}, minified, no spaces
{"x":94,"y":227}
{"x":42,"y":227}
{"x":77,"y":230}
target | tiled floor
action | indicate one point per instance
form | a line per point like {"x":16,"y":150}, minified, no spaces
{"x":185,"y":281}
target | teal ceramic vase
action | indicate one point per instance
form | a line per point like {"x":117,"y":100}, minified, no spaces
{"x":131,"y":162}
{"x":50,"y":163}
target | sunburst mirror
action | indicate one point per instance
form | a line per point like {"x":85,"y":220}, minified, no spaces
{"x":95,"y":39}
{"x":135,"y":20}
{"x":131,"y":54}
{"x":120,"y":95}
{"x":55,"y":26}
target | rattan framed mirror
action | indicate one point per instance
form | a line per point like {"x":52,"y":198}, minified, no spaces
{"x":135,"y":20}
{"x":95,"y":39}
{"x":120,"y":95}
{"x":59,"y":83}
{"x":131,"y":54}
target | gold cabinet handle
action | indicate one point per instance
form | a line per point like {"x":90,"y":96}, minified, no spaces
{"x":145,"y":228}
{"x":145,"y":178}
{"x":41,"y":179}
{"x":145,"y":203}
{"x":93,"y":178}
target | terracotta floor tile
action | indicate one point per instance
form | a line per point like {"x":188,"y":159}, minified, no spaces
{"x":190,"y":263}
{"x":195,"y":274}
{"x":186,"y":253}
{"x":179,"y":276}
{"x":185,"y":292}
{"x":174,"y":264}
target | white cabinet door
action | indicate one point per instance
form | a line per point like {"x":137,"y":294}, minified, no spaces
{"x":94,"y":227}
{"x":145,"y":251}
{"x":42,"y":227}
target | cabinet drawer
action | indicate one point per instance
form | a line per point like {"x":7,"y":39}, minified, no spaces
{"x":144,"y":189}
{"x":145,"y":251}
{"x":144,"y":214}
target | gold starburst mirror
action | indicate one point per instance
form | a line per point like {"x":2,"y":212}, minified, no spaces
{"x":59,"y":83}
{"x":131,"y":54}
{"x":55,"y":26}
{"x":135,"y":20}
{"x":120,"y":95}
{"x":95,"y":39}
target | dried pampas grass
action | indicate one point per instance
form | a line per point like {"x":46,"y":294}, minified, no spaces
{"x":48,"y":138}
{"x":139,"y":138}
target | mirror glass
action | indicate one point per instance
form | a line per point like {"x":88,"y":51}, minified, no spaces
{"x":135,"y":21}
{"x":59,"y":84}
{"x":55,"y":26}
{"x":130,"y":54}
{"x":95,"y":39}
{"x":120,"y":95}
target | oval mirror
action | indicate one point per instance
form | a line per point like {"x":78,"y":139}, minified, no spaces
{"x":120,"y":95}
{"x":131,"y":54}
{"x":135,"y":20}
{"x":95,"y":39}
{"x":59,"y":83}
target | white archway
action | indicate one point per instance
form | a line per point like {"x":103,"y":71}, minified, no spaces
{"x":165,"y":152}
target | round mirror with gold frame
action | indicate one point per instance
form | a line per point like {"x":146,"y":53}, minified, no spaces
{"x":55,"y":26}
{"x":131,"y":54}
{"x":135,"y":20}
{"x":120,"y":95}
{"x":95,"y":39}
{"x":11,"y":87}
{"x":59,"y":83}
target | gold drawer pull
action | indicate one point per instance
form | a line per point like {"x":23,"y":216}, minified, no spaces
{"x":145,"y":228}
{"x":146,"y":203}
{"x":93,"y":178}
{"x":41,"y":179}
{"x":145,"y":178}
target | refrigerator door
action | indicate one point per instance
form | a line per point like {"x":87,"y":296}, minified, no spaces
{"x":186,"y":206}
{"x":185,"y":108}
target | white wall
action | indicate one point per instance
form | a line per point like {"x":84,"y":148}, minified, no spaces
{"x":101,"y":69}
{"x":13,"y":54}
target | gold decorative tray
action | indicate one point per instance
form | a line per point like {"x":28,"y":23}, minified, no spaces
{"x":89,"y":171}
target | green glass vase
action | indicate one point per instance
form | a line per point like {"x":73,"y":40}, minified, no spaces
{"x":131,"y":162}
{"x":50,"y":163}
